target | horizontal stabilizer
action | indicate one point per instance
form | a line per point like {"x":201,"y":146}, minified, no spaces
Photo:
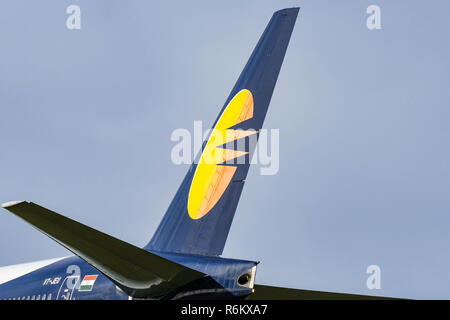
{"x":262,"y":292}
{"x":137,"y":272}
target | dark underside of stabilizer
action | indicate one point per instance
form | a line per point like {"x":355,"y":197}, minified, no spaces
{"x":278,"y":293}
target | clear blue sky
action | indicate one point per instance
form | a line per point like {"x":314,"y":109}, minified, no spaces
{"x":86,"y":118}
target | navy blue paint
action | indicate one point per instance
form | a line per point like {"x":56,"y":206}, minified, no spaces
{"x":222,"y":280}
{"x":33,"y":283}
{"x":177,"y":232}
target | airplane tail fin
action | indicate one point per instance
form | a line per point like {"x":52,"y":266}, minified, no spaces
{"x":200,"y":215}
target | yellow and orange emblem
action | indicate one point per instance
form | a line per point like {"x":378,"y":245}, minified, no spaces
{"x":211,"y":179}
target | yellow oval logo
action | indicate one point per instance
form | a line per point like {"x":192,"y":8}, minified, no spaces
{"x":212,"y":177}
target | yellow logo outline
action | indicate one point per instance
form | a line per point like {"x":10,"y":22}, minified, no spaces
{"x":211,"y":177}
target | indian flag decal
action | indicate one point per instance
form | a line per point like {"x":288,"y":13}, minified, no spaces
{"x":88,"y":283}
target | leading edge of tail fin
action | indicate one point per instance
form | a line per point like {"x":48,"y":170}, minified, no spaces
{"x":200,"y":215}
